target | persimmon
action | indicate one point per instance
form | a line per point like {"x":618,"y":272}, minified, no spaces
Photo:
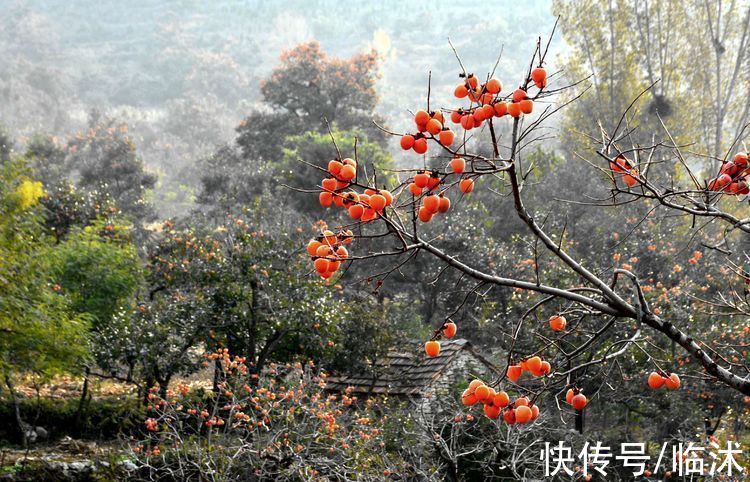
{"x":434,"y":181}
{"x":325,"y":198}
{"x":458,"y":165}
{"x":501,"y":399}
{"x":321,"y":265}
{"x":493,"y":86}
{"x":534,"y":412}
{"x":461,"y":91}
{"x":356,"y":211}
{"x":312,"y":246}
{"x":415,"y":190}
{"x":420,"y":145}
{"x":432,"y":348}
{"x":334,"y":167}
{"x":544,"y":369}
{"x":467,"y":122}
{"x":348,"y":172}
{"x":569,"y":396}
{"x":539,"y":76}
{"x":488,"y":110}
{"x":444,"y":205}
{"x":425,"y":215}
{"x":492,"y":411}
{"x":447,"y":137}
{"x":324,"y":251}
{"x":421,"y":117}
{"x":476,"y":383}
{"x":534,"y":364}
{"x":519,"y":95}
{"x":720,"y":182}
{"x":456,"y":116}
{"x":450,"y":329}
{"x":338,"y":200}
{"x":377,"y":202}
{"x":368,"y":215}
{"x":350,"y":198}
{"x":342,"y":252}
{"x":521,"y":402}
{"x":466,"y":185}
{"x":523,"y":414}
{"x":468,"y":398}
{"x":656,"y":381}
{"x":439,"y":116}
{"x":558,"y":323}
{"x":422,"y":179}
{"x":407,"y":142}
{"x":329,"y":237}
{"x":629,"y":179}
{"x":478,"y":115}
{"x":579,"y":402}
{"x":431,"y":203}
{"x":482,"y":392}
{"x":388,"y":197}
{"x":509,"y":415}
{"x":347,"y":236}
{"x":514,"y":372}
{"x":333,"y":266}
{"x":326,"y":274}
{"x":341,"y":185}
{"x":485,"y":99}
{"x":527,"y":106}
{"x":741,"y":159}
{"x":329,"y":184}
{"x":434,"y":126}
{"x":514,"y":109}
{"x":501,"y":108}
{"x":348,"y":161}
{"x":472,"y":80}
{"x":672,"y":382}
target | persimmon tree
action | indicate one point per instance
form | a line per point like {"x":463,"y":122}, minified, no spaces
{"x":581,"y":318}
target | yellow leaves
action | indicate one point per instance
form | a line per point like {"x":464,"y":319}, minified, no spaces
{"x":28,"y":193}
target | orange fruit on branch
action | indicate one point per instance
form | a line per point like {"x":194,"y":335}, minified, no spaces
{"x":579,"y":402}
{"x":672,"y":382}
{"x":466,"y":185}
{"x":450,"y":329}
{"x":421,"y":117}
{"x":655,"y":380}
{"x":425,"y":215}
{"x":523,"y":414}
{"x":519,"y":95}
{"x":558,"y":323}
{"x":325,"y":198}
{"x":407,"y":142}
{"x":493,"y":86}
{"x":432,"y":348}
{"x":458,"y":165}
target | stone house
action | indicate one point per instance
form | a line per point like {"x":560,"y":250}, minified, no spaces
{"x":408,"y":373}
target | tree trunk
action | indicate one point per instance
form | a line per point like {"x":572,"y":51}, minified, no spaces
{"x":17,"y":409}
{"x":84,"y":393}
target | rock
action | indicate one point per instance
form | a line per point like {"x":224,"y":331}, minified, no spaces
{"x":128,"y":465}
{"x":41,"y":432}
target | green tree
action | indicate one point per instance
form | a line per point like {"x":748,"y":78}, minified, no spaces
{"x":42,"y":333}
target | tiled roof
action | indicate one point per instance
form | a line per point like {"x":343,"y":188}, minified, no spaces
{"x":404,"y":372}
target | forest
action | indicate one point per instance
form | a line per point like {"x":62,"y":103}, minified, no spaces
{"x":326,"y":241}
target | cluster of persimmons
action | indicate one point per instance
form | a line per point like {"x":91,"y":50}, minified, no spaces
{"x":732,"y":176}
{"x":328,"y":251}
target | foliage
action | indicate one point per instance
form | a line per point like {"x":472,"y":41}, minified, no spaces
{"x":283,"y":427}
{"x":41,"y":331}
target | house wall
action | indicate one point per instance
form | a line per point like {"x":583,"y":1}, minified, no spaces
{"x":463,"y":368}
